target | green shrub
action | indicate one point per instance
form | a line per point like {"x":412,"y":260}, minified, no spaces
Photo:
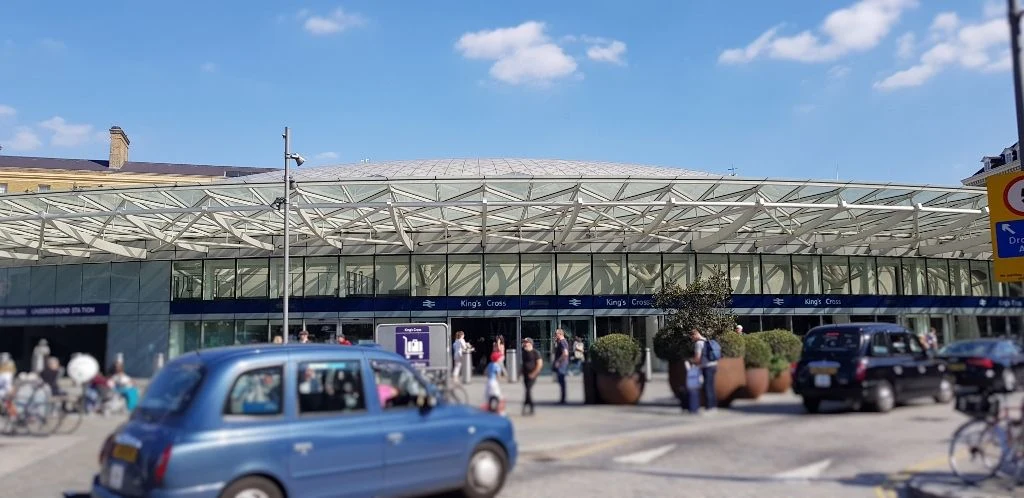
{"x":705,"y":304}
{"x":733,"y":345}
{"x":757,"y":354}
{"x":777,"y":366}
{"x":783,"y":343}
{"x":673,"y":345}
{"x":616,"y":354}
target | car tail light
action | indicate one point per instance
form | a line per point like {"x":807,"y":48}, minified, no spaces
{"x":105,"y":449}
{"x":980,"y":362}
{"x":161,"y":466}
{"x":862,"y":370}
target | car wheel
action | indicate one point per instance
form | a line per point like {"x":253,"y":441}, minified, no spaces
{"x":252,"y":487}
{"x":885,"y":398}
{"x":812,"y":405}
{"x":488,"y":468}
{"x":945,"y":393}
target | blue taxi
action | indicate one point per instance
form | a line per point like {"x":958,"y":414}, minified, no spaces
{"x":301,"y":420}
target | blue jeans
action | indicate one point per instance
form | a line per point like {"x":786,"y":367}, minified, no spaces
{"x":709,"y":386}
{"x":693,"y":400}
{"x":560,"y":372}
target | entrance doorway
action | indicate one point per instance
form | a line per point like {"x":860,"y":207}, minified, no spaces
{"x":63,"y":340}
{"x":480,"y":334}
{"x":358,"y":331}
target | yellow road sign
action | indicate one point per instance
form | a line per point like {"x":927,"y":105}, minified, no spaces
{"x":1006,"y":218}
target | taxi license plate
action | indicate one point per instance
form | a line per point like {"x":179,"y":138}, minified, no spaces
{"x":125,"y":453}
{"x":822,"y":381}
{"x":115,"y":478}
{"x":823,"y":371}
{"x":957,"y":367}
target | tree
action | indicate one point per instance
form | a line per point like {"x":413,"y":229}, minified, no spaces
{"x":705,"y":304}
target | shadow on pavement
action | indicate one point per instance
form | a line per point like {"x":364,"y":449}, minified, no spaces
{"x":872,"y":479}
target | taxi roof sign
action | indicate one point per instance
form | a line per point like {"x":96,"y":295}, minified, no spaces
{"x":1006,"y":223}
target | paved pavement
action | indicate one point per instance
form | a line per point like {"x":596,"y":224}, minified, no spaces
{"x":767,"y":448}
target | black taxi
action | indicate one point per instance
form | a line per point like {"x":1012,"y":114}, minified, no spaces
{"x":876,"y":365}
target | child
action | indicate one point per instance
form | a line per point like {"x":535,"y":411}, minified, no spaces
{"x":693,"y":383}
{"x":495,"y":369}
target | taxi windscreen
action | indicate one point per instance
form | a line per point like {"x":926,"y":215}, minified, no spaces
{"x":833,"y":341}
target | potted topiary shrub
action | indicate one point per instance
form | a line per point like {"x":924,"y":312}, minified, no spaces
{"x":616,"y":361}
{"x":705,"y":304}
{"x":731,"y":375}
{"x":756,"y":358}
{"x":786,"y":348}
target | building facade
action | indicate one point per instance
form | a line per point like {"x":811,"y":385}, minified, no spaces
{"x":511,"y":247}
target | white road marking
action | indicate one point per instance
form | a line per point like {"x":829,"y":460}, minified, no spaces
{"x":811,"y":471}
{"x":645,"y":457}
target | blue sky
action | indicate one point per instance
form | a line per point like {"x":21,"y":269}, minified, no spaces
{"x":883,"y":90}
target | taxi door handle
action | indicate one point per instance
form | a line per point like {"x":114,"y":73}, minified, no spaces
{"x":395,"y":437}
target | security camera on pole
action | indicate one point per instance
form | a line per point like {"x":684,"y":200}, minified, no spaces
{"x":286,"y":291}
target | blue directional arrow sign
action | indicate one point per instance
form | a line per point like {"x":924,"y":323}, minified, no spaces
{"x":1010,"y":239}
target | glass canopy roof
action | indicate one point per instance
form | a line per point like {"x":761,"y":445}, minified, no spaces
{"x":549,"y":204}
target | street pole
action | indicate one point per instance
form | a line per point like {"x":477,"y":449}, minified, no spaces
{"x":287,"y":222}
{"x":1014,"y":17}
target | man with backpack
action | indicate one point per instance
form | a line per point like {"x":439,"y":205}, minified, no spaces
{"x":706,"y":353}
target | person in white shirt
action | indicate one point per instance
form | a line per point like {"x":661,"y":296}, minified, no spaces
{"x":459,"y":348}
{"x":707,"y":368}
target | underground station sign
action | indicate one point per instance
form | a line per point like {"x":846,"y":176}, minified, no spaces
{"x":424,"y":345}
{"x":1006,"y":215}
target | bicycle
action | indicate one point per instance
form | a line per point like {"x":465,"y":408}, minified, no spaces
{"x":992,"y":438}
{"x":67,"y":413}
{"x":452,"y":392}
{"x":26,"y":409}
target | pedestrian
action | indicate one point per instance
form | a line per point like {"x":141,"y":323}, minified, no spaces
{"x":39,"y":355}
{"x":703,"y":356}
{"x":532,"y":364}
{"x":578,"y":354}
{"x":278,"y":340}
{"x":499,"y":346}
{"x":933,"y":339}
{"x":459,"y":348}
{"x":304,"y":336}
{"x":561,"y":362}
{"x":693,"y":383}
{"x":739,"y":329}
{"x":342,"y":341}
{"x":51,"y":375}
{"x":495,"y":371}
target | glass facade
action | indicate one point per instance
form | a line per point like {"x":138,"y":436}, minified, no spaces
{"x":570,"y":274}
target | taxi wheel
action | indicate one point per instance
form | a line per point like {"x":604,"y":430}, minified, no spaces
{"x":945,"y":393}
{"x":252,"y":487}
{"x":885,"y":398}
{"x":488,"y":468}
{"x":812,"y":405}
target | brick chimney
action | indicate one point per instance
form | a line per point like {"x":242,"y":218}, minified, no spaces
{"x":118,"y":147}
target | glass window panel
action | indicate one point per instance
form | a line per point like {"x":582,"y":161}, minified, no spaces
{"x":538,"y":274}
{"x":218,"y":333}
{"x":277,"y":282}
{"x":96,"y":283}
{"x":465,"y":275}
{"x":644,"y":273}
{"x":253,"y":332}
{"x":332,"y":387}
{"x":609,"y":274}
{"x":254,"y":278}
{"x":980,"y":284}
{"x":187,"y":280}
{"x":184,"y":337}
{"x":997,"y":288}
{"x":745,"y":273}
{"x":321,"y":277}
{"x":863,"y":275}
{"x":392,"y":274}
{"x":776,"y":274}
{"x":219,"y":279}
{"x":256,"y":393}
{"x":708,"y":263}
{"x":890,"y":280}
{"x":938,"y":277}
{"x":429,"y":275}
{"x":914,"y":281}
{"x":806,"y":274}
{"x":573,"y":274}
{"x":960,"y":277}
{"x":357,"y":275}
{"x":835,"y":274}
{"x":679,"y":269}
{"x":501,"y":274}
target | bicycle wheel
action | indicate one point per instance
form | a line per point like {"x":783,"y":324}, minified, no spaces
{"x":69,"y":416}
{"x":457,"y":395}
{"x":978,"y":450}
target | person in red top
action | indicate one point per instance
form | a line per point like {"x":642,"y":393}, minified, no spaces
{"x":342,"y":341}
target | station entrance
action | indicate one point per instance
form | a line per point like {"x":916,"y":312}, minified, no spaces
{"x":63,"y":340}
{"x":480,"y":334}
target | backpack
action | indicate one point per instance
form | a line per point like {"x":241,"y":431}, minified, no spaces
{"x":712,"y":350}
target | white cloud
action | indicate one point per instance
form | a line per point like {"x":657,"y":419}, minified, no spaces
{"x":608,"y":52}
{"x":839,"y":72}
{"x":334,"y":23}
{"x":979,"y":47}
{"x":52,"y":44}
{"x":208,"y":67}
{"x":856,"y":28}
{"x":994,"y":8}
{"x":522,"y":54}
{"x":24,"y":140}
{"x":906,"y":46}
{"x":326,"y":156}
{"x":66,"y":134}
{"x":7,"y":111}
